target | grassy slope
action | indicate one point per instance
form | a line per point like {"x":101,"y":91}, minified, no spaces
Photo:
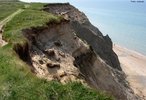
{"x":16,"y":80}
{"x":29,"y":18}
{"x":7,"y":8}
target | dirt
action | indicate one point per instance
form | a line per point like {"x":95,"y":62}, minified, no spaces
{"x":2,"y":42}
{"x":52,"y":52}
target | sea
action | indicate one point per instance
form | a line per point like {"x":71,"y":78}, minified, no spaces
{"x":123,"y":20}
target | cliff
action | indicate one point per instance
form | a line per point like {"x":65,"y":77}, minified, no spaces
{"x":86,"y":31}
{"x":74,"y":50}
{"x":67,"y":48}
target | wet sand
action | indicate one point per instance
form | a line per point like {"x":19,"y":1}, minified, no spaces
{"x":134,"y":65}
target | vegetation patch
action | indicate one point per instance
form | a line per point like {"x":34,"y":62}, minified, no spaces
{"x":7,"y":8}
{"x":27,"y":19}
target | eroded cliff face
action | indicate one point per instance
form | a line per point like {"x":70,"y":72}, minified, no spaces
{"x":86,"y":31}
{"x":57,"y":53}
{"x":52,"y":51}
{"x":74,"y":50}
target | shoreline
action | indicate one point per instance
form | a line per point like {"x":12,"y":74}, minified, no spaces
{"x":134,"y":66}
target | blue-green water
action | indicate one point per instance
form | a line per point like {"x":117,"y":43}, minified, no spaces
{"x":123,"y":20}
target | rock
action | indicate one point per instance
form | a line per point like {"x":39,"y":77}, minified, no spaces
{"x":41,"y":62}
{"x":50,"y":65}
{"x":50,"y":52}
{"x":58,"y":43}
{"x":62,"y":54}
{"x":62,"y":73}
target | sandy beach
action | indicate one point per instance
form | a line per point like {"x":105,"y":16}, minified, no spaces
{"x":134,"y":66}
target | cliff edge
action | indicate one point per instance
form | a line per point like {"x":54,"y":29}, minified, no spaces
{"x":59,"y":43}
{"x":86,"y":31}
{"x":74,"y":50}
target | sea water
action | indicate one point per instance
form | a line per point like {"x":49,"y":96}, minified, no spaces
{"x":124,"y":21}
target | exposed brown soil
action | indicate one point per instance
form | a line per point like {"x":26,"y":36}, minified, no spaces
{"x":2,"y":42}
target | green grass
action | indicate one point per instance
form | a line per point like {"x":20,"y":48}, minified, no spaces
{"x":28,"y":18}
{"x":7,"y":8}
{"x":36,"y":6}
{"x":17,"y":82}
